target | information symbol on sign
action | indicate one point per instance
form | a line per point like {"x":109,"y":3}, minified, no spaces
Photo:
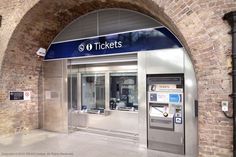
{"x":89,"y":47}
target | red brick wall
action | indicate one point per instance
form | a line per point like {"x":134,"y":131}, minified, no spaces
{"x":28,"y":25}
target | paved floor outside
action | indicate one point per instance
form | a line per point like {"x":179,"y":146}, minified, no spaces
{"x":39,"y":143}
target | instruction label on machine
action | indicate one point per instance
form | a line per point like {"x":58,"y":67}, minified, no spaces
{"x":178,"y":120}
{"x":165,"y":86}
{"x":163,"y":97}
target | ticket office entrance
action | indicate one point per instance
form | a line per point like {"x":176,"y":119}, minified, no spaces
{"x":116,"y":96}
{"x":89,"y":86}
{"x":104,"y":97}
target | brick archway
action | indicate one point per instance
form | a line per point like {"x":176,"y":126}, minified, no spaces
{"x":197,"y":24}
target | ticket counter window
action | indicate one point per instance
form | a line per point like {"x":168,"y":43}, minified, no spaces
{"x":93,"y":93}
{"x":123,"y":91}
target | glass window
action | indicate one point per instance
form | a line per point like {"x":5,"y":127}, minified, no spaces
{"x":72,"y":92}
{"x":123,"y":91}
{"x":93,"y":93}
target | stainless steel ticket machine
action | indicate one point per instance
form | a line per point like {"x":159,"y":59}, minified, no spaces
{"x":166,"y":113}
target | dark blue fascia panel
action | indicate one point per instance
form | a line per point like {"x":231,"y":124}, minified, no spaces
{"x":121,"y":43}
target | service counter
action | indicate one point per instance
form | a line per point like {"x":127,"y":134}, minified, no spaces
{"x":110,"y":120}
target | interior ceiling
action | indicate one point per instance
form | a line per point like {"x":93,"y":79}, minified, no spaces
{"x":106,"y":21}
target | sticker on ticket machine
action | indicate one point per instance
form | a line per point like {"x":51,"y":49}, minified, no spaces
{"x":175,"y":98}
{"x":163,"y":98}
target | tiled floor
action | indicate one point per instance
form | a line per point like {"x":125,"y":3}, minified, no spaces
{"x":39,"y":143}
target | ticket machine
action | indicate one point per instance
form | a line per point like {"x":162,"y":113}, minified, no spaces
{"x":166,"y":113}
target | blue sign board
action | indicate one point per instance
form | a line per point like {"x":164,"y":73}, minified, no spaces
{"x":140,"y":40}
{"x":175,"y":98}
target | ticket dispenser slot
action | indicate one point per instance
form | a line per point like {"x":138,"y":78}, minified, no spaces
{"x":160,"y":117}
{"x":165,"y":113}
